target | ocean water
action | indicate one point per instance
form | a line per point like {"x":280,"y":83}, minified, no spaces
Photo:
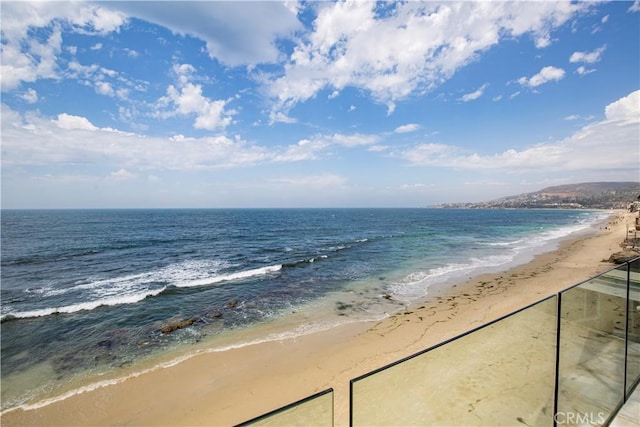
{"x":86,"y":293}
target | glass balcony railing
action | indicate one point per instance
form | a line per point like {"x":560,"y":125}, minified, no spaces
{"x":570,"y":359}
{"x":632,"y":375}
{"x":596,"y":355}
{"x":499,"y":374}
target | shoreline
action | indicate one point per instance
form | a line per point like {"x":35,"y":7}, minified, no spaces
{"x":232,"y":386}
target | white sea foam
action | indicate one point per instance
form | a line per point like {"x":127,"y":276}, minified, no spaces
{"x":230,"y":277}
{"x":505,"y":244}
{"x":89,"y":305}
{"x":133,"y":288}
{"x":104,"y":287}
{"x":416,"y":284}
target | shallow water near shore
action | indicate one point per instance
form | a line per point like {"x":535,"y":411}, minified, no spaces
{"x":85,"y":294}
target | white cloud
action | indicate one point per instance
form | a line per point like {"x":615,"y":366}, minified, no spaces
{"x":583,"y":71}
{"x":410,"y":127}
{"x":71,"y":140}
{"x":391,"y":107}
{"x":87,"y":18}
{"x":588,"y":57}
{"x":96,"y":19}
{"x":104,"y":81}
{"x":611,"y":144}
{"x":475,"y":94}
{"x":280,"y":117}
{"x":305,"y":149}
{"x":234,"y":33}
{"x":311,"y":148}
{"x":39,"y":62}
{"x":122,"y":93}
{"x":545,"y":75}
{"x":353,"y":140}
{"x":635,"y":7}
{"x":411,"y":49}
{"x":627,"y":108}
{"x":96,"y":46}
{"x":69,"y":122}
{"x":187,"y":99}
{"x":30,"y":96}
{"x":378,"y":148}
{"x":432,"y":154}
{"x":132,"y":53}
{"x":578,"y":117}
{"x":24,"y":58}
{"x":104,"y":88}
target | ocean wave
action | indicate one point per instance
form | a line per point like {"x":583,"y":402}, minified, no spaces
{"x":83,"y":306}
{"x":229,"y":277}
{"x":416,"y":284}
{"x":98,"y":287}
{"x":134,"y":288}
{"x":505,"y":244}
{"x":554,"y":235}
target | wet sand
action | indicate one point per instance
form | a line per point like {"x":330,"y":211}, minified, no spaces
{"x":228,"y":387}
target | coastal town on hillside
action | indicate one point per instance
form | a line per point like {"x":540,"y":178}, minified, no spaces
{"x":594,"y":195}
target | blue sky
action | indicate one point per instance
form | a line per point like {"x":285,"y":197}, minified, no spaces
{"x":313,"y":104}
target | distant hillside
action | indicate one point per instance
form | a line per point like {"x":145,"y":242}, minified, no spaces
{"x":588,"y":195}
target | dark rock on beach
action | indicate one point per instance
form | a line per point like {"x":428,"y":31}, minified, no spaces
{"x":623,"y":256}
{"x":177,"y":325}
{"x":343,"y":306}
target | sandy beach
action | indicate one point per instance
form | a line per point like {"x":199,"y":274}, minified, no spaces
{"x":229,"y":387}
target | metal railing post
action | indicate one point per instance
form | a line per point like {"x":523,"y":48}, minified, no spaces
{"x":626,"y":331}
{"x":557,"y":369}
